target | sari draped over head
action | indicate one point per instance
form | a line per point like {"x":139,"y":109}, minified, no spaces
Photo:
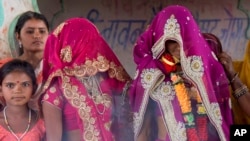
{"x":77,"y":55}
{"x":213,"y":42}
{"x":198,"y":63}
{"x":242,"y":67}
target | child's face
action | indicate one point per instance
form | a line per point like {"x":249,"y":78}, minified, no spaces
{"x":174,"y":49}
{"x":17,"y":88}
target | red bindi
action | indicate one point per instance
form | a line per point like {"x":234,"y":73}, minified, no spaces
{"x":17,"y":81}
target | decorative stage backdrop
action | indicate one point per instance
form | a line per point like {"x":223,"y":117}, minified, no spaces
{"x":122,"y":21}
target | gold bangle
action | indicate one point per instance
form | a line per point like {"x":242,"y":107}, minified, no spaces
{"x":235,"y":76}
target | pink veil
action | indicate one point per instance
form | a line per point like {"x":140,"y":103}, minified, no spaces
{"x":75,"y":50}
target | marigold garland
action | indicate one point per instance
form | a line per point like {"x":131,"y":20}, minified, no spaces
{"x":193,"y":129}
{"x":181,"y":93}
{"x":201,"y":120}
{"x":186,"y":108}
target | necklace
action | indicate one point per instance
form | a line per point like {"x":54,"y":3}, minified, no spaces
{"x":94,"y":89}
{"x":12,"y":132}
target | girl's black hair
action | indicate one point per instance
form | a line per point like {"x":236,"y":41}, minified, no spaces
{"x":20,"y":66}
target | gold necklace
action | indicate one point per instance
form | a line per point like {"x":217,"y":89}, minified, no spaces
{"x":12,"y":132}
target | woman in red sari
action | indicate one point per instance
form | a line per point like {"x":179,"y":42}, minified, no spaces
{"x":82,"y":76}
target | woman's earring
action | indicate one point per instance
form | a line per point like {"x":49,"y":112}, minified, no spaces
{"x":20,"y":44}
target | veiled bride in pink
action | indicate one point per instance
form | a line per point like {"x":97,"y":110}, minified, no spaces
{"x":82,"y":77}
{"x":180,"y":91}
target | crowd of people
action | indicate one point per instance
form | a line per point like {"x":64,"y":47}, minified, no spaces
{"x":68,"y":84}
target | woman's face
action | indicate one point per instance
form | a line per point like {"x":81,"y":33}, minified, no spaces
{"x":33,"y":35}
{"x":173,"y":48}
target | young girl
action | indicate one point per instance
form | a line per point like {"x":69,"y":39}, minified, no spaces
{"x":180,"y":91}
{"x":17,"y":86}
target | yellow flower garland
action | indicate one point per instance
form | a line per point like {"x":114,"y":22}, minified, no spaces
{"x":182,"y":93}
{"x":193,"y":128}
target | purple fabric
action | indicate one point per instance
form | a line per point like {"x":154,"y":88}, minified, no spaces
{"x":192,"y":44}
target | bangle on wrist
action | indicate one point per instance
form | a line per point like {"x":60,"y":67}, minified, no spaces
{"x":234,"y":77}
{"x":240,"y":92}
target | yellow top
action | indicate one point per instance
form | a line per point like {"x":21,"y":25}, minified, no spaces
{"x":243,"y":67}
